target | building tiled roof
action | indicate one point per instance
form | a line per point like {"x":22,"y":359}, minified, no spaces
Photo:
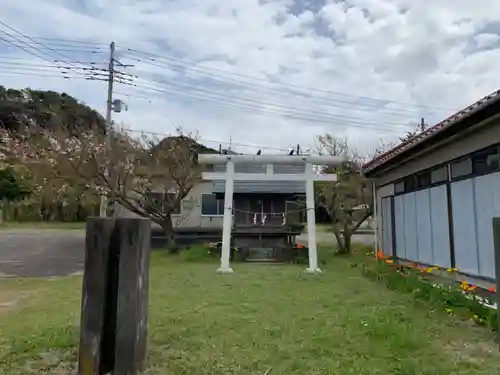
{"x":430,"y":132}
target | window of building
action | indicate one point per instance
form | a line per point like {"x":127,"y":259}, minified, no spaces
{"x":439,"y":175}
{"x":423,"y":180}
{"x":461,"y":168}
{"x":399,"y":187}
{"x":410,"y":184}
{"x":211,"y":205}
{"x":486,"y":161}
{"x":161,"y":201}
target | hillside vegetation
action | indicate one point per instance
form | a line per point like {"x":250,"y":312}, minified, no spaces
{"x":28,"y":194}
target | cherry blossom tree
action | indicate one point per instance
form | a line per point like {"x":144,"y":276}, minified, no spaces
{"x":349,"y":200}
{"x":144,"y":175}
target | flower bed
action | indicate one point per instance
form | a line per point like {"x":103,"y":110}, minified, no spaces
{"x":423,"y":283}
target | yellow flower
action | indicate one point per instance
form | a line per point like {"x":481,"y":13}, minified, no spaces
{"x":449,"y":270}
{"x":389,"y":261}
{"x":430,"y":269}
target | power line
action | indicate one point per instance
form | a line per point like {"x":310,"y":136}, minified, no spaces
{"x":24,"y":49}
{"x":269,"y":112}
{"x":151,"y":57}
{"x":63,"y":70}
{"x":62,"y":75}
{"x":130,"y":130}
{"x":16,"y":58}
{"x":16,"y":64}
{"x":69,"y":41}
{"x":207,"y":94}
{"x":280,"y":92}
{"x":200,"y":66}
{"x":36,"y":42}
{"x":279,"y":105}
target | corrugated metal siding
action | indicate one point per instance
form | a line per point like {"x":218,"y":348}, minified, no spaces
{"x":387,"y":226}
{"x":284,"y":187}
{"x":487,"y":205}
{"x":421,"y":221}
{"x":439,"y":227}
{"x":424,"y":230}
{"x":399,"y":213}
{"x":411,"y":240}
{"x":464,"y":226}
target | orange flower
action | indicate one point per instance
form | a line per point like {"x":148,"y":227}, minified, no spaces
{"x":389,"y":261}
{"x":380,"y":254}
{"x":492,"y":289}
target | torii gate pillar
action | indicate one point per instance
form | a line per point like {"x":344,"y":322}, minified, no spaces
{"x":229,"y":176}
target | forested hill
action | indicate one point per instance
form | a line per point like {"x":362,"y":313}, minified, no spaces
{"x":21,"y":108}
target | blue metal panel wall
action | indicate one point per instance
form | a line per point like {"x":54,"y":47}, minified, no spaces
{"x":464,"y":226}
{"x":386,"y":226}
{"x":410,"y":215}
{"x":486,"y":196}
{"x":399,"y":221}
{"x":440,"y":227}
{"x":424,"y":231}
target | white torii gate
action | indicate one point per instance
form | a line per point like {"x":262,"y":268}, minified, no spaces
{"x":309,"y":176}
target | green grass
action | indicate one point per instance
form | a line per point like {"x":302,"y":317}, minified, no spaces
{"x":41,"y":225}
{"x":258,"y":318}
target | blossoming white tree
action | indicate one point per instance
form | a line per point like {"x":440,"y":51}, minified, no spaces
{"x":128,"y":172}
{"x":349,"y":200}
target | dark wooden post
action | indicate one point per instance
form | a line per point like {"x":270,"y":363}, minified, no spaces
{"x":132,"y":304}
{"x":496,"y":249}
{"x":113,"y":326}
{"x":94,"y":290}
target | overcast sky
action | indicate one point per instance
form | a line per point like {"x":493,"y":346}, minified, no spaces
{"x":273,"y":73}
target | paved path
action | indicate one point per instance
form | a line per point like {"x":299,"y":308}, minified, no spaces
{"x":48,"y":253}
{"x":41,"y":253}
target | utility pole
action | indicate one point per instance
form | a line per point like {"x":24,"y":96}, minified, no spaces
{"x":109,"y":126}
{"x":423,"y":125}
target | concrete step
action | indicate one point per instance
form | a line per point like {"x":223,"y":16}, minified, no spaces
{"x":261,"y":260}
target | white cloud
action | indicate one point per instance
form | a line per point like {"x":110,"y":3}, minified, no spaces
{"x":399,"y":50}
{"x":486,"y":40}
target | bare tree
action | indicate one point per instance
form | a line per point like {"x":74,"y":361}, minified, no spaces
{"x":146,"y":176}
{"x":348,"y":201}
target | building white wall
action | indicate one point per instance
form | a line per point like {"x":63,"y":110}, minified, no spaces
{"x":190,"y":215}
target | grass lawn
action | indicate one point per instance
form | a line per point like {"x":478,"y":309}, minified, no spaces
{"x":41,"y":225}
{"x":262,"y":317}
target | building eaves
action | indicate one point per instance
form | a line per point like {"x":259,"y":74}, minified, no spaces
{"x":426,"y":135}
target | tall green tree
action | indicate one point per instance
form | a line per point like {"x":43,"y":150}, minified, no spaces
{"x":11,"y":187}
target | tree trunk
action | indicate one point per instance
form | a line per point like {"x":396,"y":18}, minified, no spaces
{"x":169,"y":232}
{"x":340,"y":241}
{"x":347,"y":241}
